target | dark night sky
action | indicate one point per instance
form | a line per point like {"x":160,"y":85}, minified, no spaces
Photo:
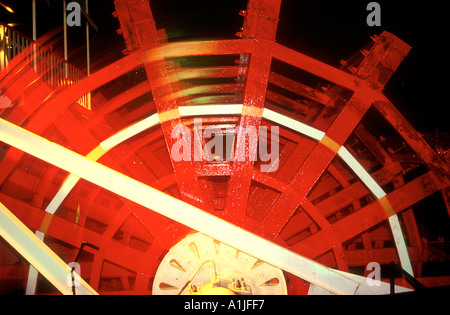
{"x":326,"y":30}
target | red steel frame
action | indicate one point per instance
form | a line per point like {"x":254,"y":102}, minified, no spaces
{"x":279,"y":206}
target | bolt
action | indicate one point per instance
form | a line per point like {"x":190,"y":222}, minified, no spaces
{"x":194,"y":288}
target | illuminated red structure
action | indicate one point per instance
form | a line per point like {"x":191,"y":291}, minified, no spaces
{"x":351,"y":168}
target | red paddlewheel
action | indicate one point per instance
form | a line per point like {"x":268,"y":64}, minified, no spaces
{"x":338,"y":176}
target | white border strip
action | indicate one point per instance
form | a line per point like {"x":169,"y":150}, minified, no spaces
{"x":129,"y":132}
{"x":394,"y":222}
{"x":361,"y":173}
{"x":208,"y":110}
{"x":293,"y":124}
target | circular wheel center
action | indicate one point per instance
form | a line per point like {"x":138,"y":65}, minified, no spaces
{"x":199,"y":265}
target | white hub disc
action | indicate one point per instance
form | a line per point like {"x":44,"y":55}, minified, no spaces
{"x":200,"y":265}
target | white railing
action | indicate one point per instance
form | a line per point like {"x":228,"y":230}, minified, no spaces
{"x":52,"y":69}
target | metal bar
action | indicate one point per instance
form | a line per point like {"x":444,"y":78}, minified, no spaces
{"x":66,"y":59}
{"x":88,"y":54}
{"x":34,"y":21}
{"x":39,"y":254}
{"x":73,"y":270}
{"x":410,"y":278}
{"x":88,"y":43}
{"x":179,"y":211}
{"x":8,"y":48}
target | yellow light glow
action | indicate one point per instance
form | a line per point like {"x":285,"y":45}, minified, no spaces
{"x":7,"y":8}
{"x":2,"y":53}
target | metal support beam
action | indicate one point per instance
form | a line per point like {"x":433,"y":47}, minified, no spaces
{"x":34,"y":22}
